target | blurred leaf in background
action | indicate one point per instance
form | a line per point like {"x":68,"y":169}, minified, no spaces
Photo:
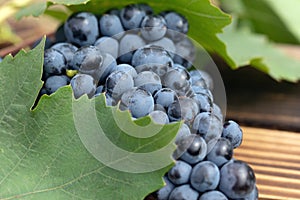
{"x":259,"y":25}
{"x":278,"y":19}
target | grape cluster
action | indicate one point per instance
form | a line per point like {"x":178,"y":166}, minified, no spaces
{"x":142,"y":62}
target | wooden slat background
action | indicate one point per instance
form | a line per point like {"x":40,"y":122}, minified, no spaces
{"x":274,"y":156}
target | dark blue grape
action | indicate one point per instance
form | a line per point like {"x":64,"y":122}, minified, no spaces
{"x":151,"y":54}
{"x":180,"y":173}
{"x":148,"y":81}
{"x":164,"y":193}
{"x":131,"y":16}
{"x":177,"y":81}
{"x":237,"y":179}
{"x":83,"y":84}
{"x":205,"y":176}
{"x":183,"y":192}
{"x":67,"y":49}
{"x":165,"y":97}
{"x":192,"y":149}
{"x":110,"y":25}
{"x":221,"y":153}
{"x":159,"y":117}
{"x":233,"y":132}
{"x":81,"y":29}
{"x":177,"y":24}
{"x":128,"y":44}
{"x":87,"y":58}
{"x":53,"y":83}
{"x":127,"y":69}
{"x":184,"y":108}
{"x":153,"y":27}
{"x":108,"y":45}
{"x":141,"y":103}
{"x":117,"y":83}
{"x":209,"y":127}
{"x":54,"y":62}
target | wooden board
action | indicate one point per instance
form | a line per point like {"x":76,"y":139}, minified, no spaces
{"x":274,"y":156}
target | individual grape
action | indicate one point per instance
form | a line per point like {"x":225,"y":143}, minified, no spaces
{"x":221,"y":153}
{"x":128,"y":44}
{"x":205,"y":176}
{"x":197,"y":79}
{"x":87,"y":58}
{"x":204,"y":102}
{"x":233,"y":132}
{"x":127,"y":69}
{"x":209,"y":127}
{"x":164,"y":193}
{"x":180,"y":173}
{"x":141,"y":103}
{"x":185,"y":109}
{"x":237,"y":179}
{"x":54,"y":62}
{"x":110,"y":25}
{"x":177,"y":81}
{"x":53,"y":83}
{"x":67,"y":49}
{"x":182,"y":133}
{"x":192,"y":149}
{"x":131,"y":16}
{"x":81,"y":29}
{"x":185,"y":52}
{"x":83,"y":84}
{"x":153,"y":27}
{"x":177,"y":24}
{"x":165,"y":97}
{"x":108,"y":66}
{"x":108,"y":45}
{"x":151,"y":55}
{"x":183,"y":192}
{"x":213,"y":195}
{"x":159,"y":117}
{"x":167,"y":44}
{"x":148,"y":81}
{"x":117,"y":83}
{"x":125,"y":98}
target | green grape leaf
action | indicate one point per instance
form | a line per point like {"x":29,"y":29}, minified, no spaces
{"x":35,"y":9}
{"x":276,"y":19}
{"x":52,"y":150}
{"x":247,"y":48}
